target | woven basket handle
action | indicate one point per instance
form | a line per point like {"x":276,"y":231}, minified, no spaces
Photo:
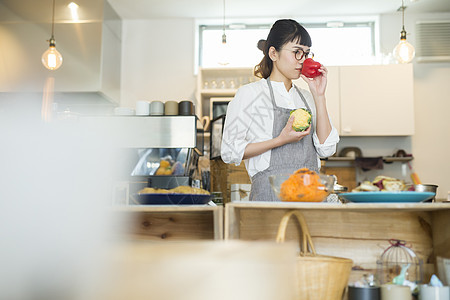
{"x":306,"y":237}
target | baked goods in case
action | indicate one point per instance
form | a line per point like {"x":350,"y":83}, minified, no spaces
{"x":168,"y":167}
{"x":182,"y":189}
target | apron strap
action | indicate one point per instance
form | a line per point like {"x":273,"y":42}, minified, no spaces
{"x":303,"y":98}
{"x":272,"y":97}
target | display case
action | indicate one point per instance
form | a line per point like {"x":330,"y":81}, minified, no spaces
{"x":152,"y":151}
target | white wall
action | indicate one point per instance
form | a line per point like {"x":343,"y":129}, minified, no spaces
{"x":157,"y":62}
{"x":431,"y":141}
{"x":158,"y":65}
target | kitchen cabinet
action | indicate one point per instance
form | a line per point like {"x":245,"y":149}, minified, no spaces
{"x":359,"y":231}
{"x":331,"y":94}
{"x":374,"y":100}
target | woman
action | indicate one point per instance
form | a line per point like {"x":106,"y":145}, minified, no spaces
{"x":258,"y":127}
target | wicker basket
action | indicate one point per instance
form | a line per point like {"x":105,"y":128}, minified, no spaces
{"x":319,"y":277}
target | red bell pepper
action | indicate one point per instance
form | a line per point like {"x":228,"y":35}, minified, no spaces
{"x":311,"y":68}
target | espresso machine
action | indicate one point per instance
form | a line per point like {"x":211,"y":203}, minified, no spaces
{"x":152,"y":151}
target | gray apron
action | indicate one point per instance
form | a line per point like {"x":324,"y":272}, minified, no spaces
{"x":284,"y":159}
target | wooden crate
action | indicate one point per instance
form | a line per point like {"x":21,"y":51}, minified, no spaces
{"x":346,"y":175}
{"x":223,"y":175}
{"x":359,"y":231}
{"x":171,"y":222}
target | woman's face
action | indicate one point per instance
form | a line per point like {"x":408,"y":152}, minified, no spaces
{"x":287,"y":62}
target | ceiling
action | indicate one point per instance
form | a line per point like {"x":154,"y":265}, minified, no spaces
{"x":33,"y":10}
{"x":142,"y":9}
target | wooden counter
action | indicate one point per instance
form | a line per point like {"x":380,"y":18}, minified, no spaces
{"x":359,"y":231}
{"x":172,"y":222}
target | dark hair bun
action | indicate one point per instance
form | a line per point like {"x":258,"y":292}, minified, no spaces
{"x":261,"y":45}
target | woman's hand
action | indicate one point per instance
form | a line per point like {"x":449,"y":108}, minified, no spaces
{"x":317,"y":85}
{"x":289,"y":135}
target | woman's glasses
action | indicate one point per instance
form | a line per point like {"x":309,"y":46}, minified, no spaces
{"x":299,"y":53}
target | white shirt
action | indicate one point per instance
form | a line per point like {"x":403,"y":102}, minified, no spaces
{"x":249,"y":119}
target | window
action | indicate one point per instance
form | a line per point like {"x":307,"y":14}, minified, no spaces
{"x":334,"y":43}
{"x":240,"y":49}
{"x":342,"y":43}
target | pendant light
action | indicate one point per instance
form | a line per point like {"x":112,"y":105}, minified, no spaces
{"x":52,"y":59}
{"x":404,"y":52}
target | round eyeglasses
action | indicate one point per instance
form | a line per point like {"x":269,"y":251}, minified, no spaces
{"x":299,"y":53}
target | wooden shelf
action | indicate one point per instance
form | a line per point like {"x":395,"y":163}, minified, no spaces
{"x":203,"y":94}
{"x":218,"y":92}
{"x":165,"y":208}
{"x":365,"y":207}
{"x":386,"y":159}
{"x":400,"y":159}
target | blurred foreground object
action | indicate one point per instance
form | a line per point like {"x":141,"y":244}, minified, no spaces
{"x":201,"y":271}
{"x":54,"y":215}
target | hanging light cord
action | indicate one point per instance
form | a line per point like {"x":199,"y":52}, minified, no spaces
{"x":53,"y":22}
{"x":224,"y":36}
{"x":224,"y":16}
{"x":403,"y":15}
{"x":403,"y":32}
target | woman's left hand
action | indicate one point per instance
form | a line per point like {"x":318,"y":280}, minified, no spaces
{"x":317,"y":85}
